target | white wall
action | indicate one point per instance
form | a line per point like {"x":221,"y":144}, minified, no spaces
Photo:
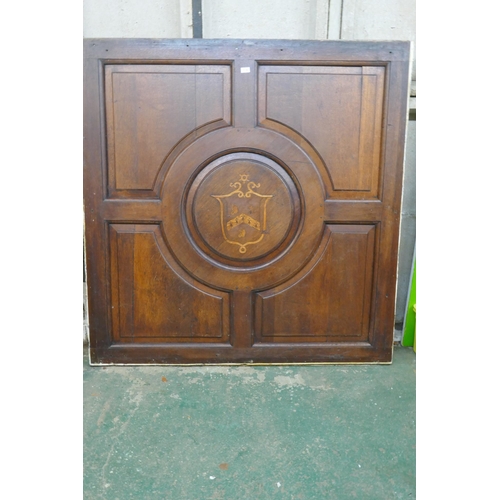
{"x":379,"y":20}
{"x":135,"y":18}
{"x":285,"y":19}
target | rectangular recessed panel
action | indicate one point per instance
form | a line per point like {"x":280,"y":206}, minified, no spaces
{"x":150,"y":109}
{"x":337,"y":110}
{"x":330,"y":299}
{"x":151,"y":300}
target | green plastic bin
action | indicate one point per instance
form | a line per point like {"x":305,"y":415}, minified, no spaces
{"x":410,"y":321}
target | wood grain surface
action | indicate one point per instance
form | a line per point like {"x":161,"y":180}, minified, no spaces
{"x":242,"y":199}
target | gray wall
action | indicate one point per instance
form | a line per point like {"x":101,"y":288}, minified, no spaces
{"x":285,"y":19}
{"x":136,"y":18}
{"x":291,"y":19}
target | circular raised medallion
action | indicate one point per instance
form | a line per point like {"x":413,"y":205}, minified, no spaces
{"x":182,"y":177}
{"x":243,"y":207}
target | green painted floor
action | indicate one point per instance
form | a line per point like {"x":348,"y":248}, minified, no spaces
{"x":237,"y":433}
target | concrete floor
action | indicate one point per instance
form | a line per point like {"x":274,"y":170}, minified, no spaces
{"x":237,"y":433}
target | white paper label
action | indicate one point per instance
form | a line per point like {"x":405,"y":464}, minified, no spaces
{"x":246,"y":69}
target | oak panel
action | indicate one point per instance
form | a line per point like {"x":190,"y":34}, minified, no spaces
{"x":150,"y":299}
{"x":324,"y":121}
{"x":243,"y":207}
{"x":336,"y":111}
{"x":330,"y":299}
{"x":149,"y":109}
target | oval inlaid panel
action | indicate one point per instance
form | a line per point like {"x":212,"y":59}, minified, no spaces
{"x":244,"y":206}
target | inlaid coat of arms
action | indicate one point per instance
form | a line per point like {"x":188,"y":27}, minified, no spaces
{"x":243,"y":215}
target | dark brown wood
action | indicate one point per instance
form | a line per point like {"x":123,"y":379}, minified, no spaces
{"x":242,"y":199}
{"x":337,"y":285}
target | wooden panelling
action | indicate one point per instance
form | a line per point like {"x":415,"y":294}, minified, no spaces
{"x":149,"y":109}
{"x":328,"y":300}
{"x":337,"y":110}
{"x":150,"y":299}
{"x":242,"y":199}
{"x":244,"y":207}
